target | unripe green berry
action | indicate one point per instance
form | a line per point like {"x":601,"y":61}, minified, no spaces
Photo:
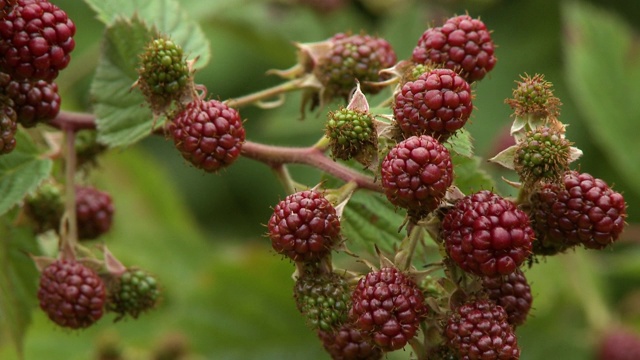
{"x":533,"y":97}
{"x":133,"y":293}
{"x":163,"y":73}
{"x":543,"y":155}
{"x":351,"y":133}
{"x":323,"y":299}
{"x":45,"y":207}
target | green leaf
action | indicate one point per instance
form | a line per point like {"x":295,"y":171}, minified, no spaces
{"x":18,"y":281}
{"x":469,"y":177}
{"x":368,"y":219}
{"x":165,"y":16}
{"x":121,"y":116}
{"x":461,"y":143}
{"x":603,"y":73}
{"x":21,"y":171}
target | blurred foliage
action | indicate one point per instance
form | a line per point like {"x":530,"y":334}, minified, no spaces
{"x":227,"y":296}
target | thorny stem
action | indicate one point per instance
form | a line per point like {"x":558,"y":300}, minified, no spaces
{"x":580,"y":277}
{"x":273,"y":156}
{"x":70,"y":233}
{"x":282,"y":173}
{"x":406,"y":254}
{"x":265,"y":94}
{"x":312,"y":156}
{"x":418,"y":348}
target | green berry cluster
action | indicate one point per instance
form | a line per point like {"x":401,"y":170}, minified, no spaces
{"x":543,"y":155}
{"x":134,"y":293}
{"x":163,"y":73}
{"x":323,"y":299}
{"x":351,"y":133}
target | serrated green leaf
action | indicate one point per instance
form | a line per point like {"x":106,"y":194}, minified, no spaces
{"x":166,"y":16}
{"x":121,"y":117}
{"x":603,"y":71}
{"x":18,"y":281}
{"x":369,"y":219}
{"x":469,"y":177}
{"x":21,"y":171}
{"x":461,"y":143}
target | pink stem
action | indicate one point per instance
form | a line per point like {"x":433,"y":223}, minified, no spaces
{"x":271,"y":155}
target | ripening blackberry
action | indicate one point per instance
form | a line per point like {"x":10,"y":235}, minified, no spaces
{"x":71,"y":294}
{"x":304,"y":226}
{"x":462,"y":44}
{"x":36,"y":39}
{"x":487,"y":235}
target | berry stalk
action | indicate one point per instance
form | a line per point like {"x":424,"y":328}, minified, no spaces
{"x":70,"y":231}
{"x":312,"y":156}
{"x":590,"y":297}
{"x":260,"y":96}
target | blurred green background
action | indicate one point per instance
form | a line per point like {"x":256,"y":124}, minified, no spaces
{"x":227,"y":295}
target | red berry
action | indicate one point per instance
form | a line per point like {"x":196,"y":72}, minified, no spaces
{"x":512,"y":293}
{"x":583,"y":210}
{"x":36,"y":38}
{"x":479,"y":330}
{"x":619,"y":344}
{"x":208,"y":134}
{"x":388,"y":307}
{"x":347,"y":343}
{"x":463,"y":44}
{"x":486,"y":234}
{"x":34,"y":102}
{"x":416,"y":174}
{"x":94,"y":210}
{"x":304,"y":226}
{"x":438,"y":103}
{"x":354,"y":57}
{"x":71,"y":294}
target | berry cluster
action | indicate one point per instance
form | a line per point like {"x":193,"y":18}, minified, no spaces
{"x":466,"y":305}
{"x":36,"y":39}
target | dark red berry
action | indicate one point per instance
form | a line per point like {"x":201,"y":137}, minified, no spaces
{"x":36,"y":38}
{"x":34,"y":102}
{"x":438,"y":103}
{"x":619,"y":344}
{"x":304,"y":226}
{"x":416,"y":174}
{"x":208,"y":134}
{"x":347,"y":343}
{"x":486,"y":234}
{"x":351,"y":58}
{"x":71,"y":294}
{"x":479,"y":330}
{"x":513,"y":293}
{"x":94,"y":210}
{"x":387,"y":306}
{"x":583,"y":209}
{"x":463,"y":44}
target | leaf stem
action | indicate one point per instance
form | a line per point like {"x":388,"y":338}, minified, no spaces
{"x":265,"y":94}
